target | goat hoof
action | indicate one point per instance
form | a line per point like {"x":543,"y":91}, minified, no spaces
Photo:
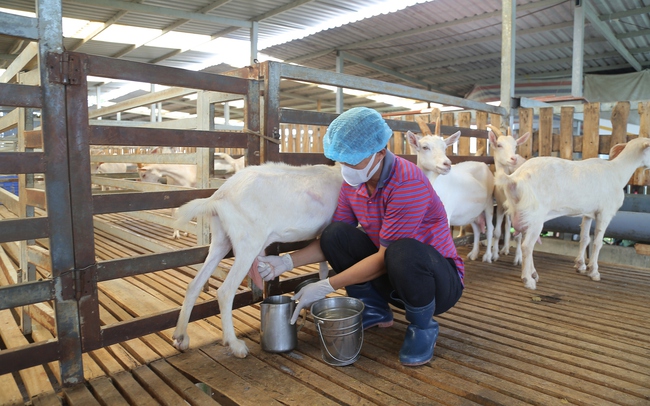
{"x":529,"y":283}
{"x":517,"y":261}
{"x":181,"y":342}
{"x":472,"y":256}
{"x":239,"y":349}
{"x":495,"y":257}
{"x":595,"y":276}
{"x":504,"y":252}
{"x":487,"y":258}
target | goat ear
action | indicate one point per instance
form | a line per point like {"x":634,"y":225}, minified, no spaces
{"x":414,"y":140}
{"x":492,"y":137}
{"x":451,"y":140}
{"x":616,"y":150}
{"x":523,"y":138}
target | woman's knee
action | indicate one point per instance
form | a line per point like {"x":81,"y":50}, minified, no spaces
{"x":400,"y":252}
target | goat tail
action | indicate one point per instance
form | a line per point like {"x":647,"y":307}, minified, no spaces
{"x":196,"y":208}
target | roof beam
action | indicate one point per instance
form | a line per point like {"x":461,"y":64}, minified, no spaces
{"x":383,"y":69}
{"x":172,"y":27}
{"x":609,"y":35}
{"x":474,"y":41}
{"x":418,"y":31}
{"x":164,"y":11}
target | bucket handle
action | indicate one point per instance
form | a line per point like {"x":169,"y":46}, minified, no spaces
{"x":322,"y":340}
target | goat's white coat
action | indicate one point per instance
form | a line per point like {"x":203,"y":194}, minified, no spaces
{"x":257,"y":206}
{"x":465,"y":189}
{"x":177,"y":174}
{"x":545,"y":188}
{"x":506,"y":161}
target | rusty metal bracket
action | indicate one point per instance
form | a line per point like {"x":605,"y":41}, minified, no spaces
{"x":273,"y":140}
{"x":85,"y":280}
{"x":64,"y":68}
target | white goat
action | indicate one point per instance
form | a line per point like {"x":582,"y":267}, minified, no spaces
{"x":506,"y":161}
{"x":465,"y":189}
{"x":175,"y":174}
{"x":232,"y":165}
{"x":302,"y":201}
{"x":544,"y":188}
{"x":108,"y":167}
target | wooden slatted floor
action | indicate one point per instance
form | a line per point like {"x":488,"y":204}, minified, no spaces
{"x":572,"y":341}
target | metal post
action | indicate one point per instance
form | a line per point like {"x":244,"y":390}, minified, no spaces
{"x":578,"y":48}
{"x":57,"y":190}
{"x":254,"y":34}
{"x":508,"y":22}
{"x":339,"y":90}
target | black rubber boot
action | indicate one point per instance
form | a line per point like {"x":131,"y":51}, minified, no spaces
{"x":376,"y":311}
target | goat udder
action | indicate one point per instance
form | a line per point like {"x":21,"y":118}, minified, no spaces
{"x":255,"y":275}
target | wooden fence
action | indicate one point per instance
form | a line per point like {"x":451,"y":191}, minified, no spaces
{"x":570,"y":137}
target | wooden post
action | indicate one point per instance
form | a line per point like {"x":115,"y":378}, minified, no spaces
{"x":619,"y":118}
{"x":591,"y":129}
{"x":464,"y":121}
{"x":566,"y":132}
{"x":481,"y":124}
{"x":640,"y":177}
{"x":447,"y":119}
{"x":526,"y":126}
{"x":545,"y":131}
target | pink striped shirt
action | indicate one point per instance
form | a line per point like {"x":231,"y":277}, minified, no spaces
{"x":404,"y":205}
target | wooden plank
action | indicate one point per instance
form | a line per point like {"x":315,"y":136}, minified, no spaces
{"x":106,"y":393}
{"x":640,"y":176}
{"x":230,"y":386}
{"x":545,"y":131}
{"x":153,"y":341}
{"x":47,"y":399}
{"x":591,"y":129}
{"x":79,"y":395}
{"x":619,"y":118}
{"x":354,"y":385}
{"x":481,"y":124}
{"x":10,"y":394}
{"x":281,"y":387}
{"x":105,"y":360}
{"x":566,"y":132}
{"x":526,"y":126}
{"x":132,"y":391}
{"x":35,"y":378}
{"x":464,"y":121}
{"x":183,"y":386}
{"x":448,"y":119}
{"x":157,"y":387}
{"x":642,"y":249}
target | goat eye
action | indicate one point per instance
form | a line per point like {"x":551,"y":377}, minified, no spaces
{"x":425,"y":148}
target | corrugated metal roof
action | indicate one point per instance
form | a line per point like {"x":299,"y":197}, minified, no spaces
{"x":449,"y":45}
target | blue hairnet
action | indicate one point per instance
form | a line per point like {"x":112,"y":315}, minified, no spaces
{"x":355,"y":135}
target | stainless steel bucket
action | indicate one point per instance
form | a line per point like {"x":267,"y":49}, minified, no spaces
{"x":340,"y":327}
{"x":278,"y":335}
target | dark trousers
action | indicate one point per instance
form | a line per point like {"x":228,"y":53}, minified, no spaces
{"x":416,"y":273}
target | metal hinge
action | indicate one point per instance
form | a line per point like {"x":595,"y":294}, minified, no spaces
{"x":64,"y":68}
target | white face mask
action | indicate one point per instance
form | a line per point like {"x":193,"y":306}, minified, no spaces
{"x":355,"y":177}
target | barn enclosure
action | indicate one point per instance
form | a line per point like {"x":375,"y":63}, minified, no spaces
{"x":58,"y":271}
